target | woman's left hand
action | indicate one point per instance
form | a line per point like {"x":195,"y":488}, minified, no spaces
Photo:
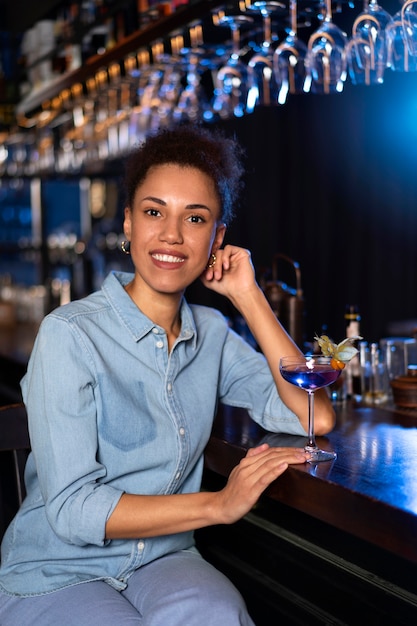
{"x":233,"y":276}
{"x":232,"y":273}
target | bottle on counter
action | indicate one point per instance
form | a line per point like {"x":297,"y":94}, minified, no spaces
{"x":353,"y":368}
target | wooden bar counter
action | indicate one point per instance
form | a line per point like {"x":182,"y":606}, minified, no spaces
{"x":329,"y":543}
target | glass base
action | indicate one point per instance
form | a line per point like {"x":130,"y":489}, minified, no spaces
{"x":318,"y":455}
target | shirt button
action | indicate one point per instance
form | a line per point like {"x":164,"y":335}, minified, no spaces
{"x":169,"y":387}
{"x":155,"y":331}
{"x":141,"y":545}
{"x":159,"y":344}
{"x":182,"y":432}
{"x":177,"y":475}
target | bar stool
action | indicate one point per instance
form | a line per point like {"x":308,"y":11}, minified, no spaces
{"x":14,"y":450}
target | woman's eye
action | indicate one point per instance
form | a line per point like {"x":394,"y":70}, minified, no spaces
{"x":196,"y":219}
{"x":152,"y":212}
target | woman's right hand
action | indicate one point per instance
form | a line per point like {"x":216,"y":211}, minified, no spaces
{"x":144,"y":516}
{"x":249,"y":479}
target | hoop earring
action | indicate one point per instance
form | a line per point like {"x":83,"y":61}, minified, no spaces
{"x":125,"y":246}
{"x":212,"y":261}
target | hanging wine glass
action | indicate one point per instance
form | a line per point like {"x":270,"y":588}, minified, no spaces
{"x":231,"y":83}
{"x":326,"y":60}
{"x":193,"y":103}
{"x":73,"y":131}
{"x":119,"y":95}
{"x":140,"y":74}
{"x":148,"y":91}
{"x":289,"y":61}
{"x":400,"y":58}
{"x":166,"y":98}
{"x":158,"y":86}
{"x":367,"y":51}
{"x":409,"y":21}
{"x":262,"y":84}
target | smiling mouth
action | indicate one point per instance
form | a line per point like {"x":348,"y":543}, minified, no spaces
{"x":167,"y":258}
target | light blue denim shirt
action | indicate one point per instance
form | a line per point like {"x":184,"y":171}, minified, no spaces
{"x":112,"y":411}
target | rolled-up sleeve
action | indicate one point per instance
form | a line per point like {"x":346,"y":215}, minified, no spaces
{"x":58,"y":391}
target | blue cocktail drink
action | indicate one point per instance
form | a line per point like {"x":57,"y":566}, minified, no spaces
{"x":310,"y":373}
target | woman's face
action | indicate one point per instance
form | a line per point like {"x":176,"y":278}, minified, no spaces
{"x":173,"y":227}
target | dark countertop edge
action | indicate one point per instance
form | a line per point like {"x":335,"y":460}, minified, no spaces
{"x":374,"y":521}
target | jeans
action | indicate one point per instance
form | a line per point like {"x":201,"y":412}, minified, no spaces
{"x":179,"y":589}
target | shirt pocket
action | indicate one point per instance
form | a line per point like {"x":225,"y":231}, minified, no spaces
{"x":126,"y":421}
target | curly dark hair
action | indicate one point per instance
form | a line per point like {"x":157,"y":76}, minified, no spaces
{"x":211,"y":152}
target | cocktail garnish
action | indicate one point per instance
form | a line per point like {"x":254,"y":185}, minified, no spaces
{"x":340,"y":353}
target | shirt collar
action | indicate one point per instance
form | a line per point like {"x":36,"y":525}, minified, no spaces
{"x":138,"y":324}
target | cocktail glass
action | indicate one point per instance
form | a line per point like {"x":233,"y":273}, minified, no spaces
{"x":310,"y":373}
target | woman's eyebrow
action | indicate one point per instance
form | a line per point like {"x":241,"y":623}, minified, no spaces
{"x":153,"y":199}
{"x":193,"y":207}
{"x":190,"y":207}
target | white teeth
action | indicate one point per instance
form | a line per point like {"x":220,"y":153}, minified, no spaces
{"x":167,"y":258}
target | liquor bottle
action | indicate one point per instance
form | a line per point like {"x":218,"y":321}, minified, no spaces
{"x":353,"y":373}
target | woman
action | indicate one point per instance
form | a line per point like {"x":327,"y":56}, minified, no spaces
{"x":121,"y":391}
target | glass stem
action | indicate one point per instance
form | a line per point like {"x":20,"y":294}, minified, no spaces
{"x":329,"y":15}
{"x":235,"y":38}
{"x":267,"y":29}
{"x":293,"y":13}
{"x":311,"y":439}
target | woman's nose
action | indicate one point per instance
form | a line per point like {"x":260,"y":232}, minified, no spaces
{"x":172,"y":231}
